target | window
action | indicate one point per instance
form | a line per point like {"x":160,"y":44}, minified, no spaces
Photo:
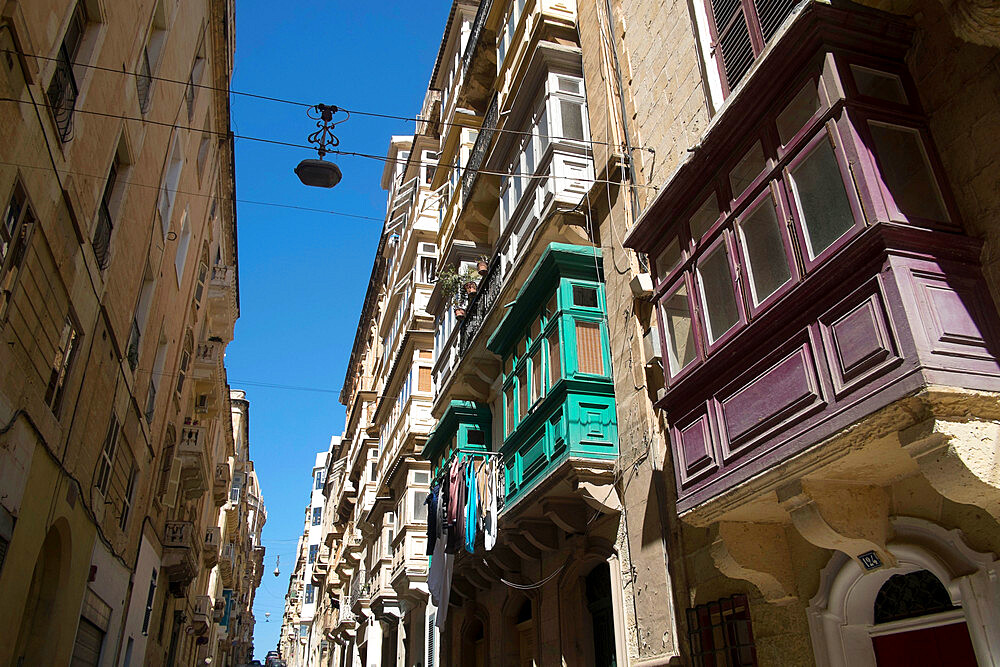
{"x":149,"y":58}
{"x":675,"y":312}
{"x":185,"y":363}
{"x":718,"y":297}
{"x":128,"y":498}
{"x":94,"y":620}
{"x":62,"y":363}
{"x":740,"y":30}
{"x":183,"y":244}
{"x":906,"y":171}
{"x":204,"y":147}
{"x":585,"y":297}
{"x":159,"y":364}
{"x":313,"y":552}
{"x":168,"y":189}
{"x":199,"y":288}
{"x":194,"y":78}
{"x":101,"y":240}
{"x":720,"y":633}
{"x":15,"y":232}
{"x":555,"y":363}
{"x":317,"y":516}
{"x":310,"y":599}
{"x":107,"y":461}
{"x":511,"y":416}
{"x":420,"y":506}
{"x":63,"y":89}
{"x":523,"y":401}
{"x":319,"y":480}
{"x":820,"y":198}
{"x":150,"y":595}
{"x":589,"y":352}
{"x":764,"y":251}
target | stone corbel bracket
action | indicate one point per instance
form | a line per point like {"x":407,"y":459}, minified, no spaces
{"x":959,"y":459}
{"x":596,"y":487}
{"x":758,"y":553}
{"x":853,"y":519}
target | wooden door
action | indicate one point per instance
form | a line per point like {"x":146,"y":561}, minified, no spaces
{"x":942,"y":646}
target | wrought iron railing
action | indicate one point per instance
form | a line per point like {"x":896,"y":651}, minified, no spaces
{"x":132,"y":353}
{"x":144,"y":81}
{"x":480,"y":306}
{"x":102,"y":236}
{"x":478,"y":154}
{"x":478,"y":24}
{"x":62,"y":94}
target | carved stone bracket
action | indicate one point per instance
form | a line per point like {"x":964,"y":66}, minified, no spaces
{"x":959,"y":459}
{"x":541,"y":534}
{"x":853,"y":519}
{"x":758,"y":553}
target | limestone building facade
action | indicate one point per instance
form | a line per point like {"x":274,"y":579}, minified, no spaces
{"x":119,"y":275}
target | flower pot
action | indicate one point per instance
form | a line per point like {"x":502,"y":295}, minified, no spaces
{"x":470,"y":287}
{"x":460,"y":313}
{"x":482,"y":267}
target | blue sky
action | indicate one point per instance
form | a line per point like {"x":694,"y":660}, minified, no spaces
{"x":303,"y":275}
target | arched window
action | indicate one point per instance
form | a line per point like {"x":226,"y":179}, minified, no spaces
{"x":910,"y":595}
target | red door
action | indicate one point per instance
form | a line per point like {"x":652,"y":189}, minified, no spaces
{"x":943,"y":646}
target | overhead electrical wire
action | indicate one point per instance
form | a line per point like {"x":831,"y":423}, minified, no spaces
{"x":280,"y":100}
{"x":289,"y":144}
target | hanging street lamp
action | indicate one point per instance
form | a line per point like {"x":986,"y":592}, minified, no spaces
{"x":322,"y":173}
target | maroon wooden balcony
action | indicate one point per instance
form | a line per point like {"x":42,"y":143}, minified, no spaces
{"x":809,"y":258}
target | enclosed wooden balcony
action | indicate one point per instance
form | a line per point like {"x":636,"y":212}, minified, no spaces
{"x":815,"y":292}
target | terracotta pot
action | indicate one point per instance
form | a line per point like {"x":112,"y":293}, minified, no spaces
{"x":470,"y":287}
{"x":482,"y":267}
{"x":460,"y":313}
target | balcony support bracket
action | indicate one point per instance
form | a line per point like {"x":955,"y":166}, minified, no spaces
{"x":853,"y":519}
{"x":758,"y":553}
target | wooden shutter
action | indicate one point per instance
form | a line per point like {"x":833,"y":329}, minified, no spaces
{"x":589,"y":355}
{"x":423,"y":378}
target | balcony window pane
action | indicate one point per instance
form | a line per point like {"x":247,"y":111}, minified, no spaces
{"x":907,"y":172}
{"x":799,"y":110}
{"x":881,"y":85}
{"x":747,"y":169}
{"x":572,"y":119}
{"x":702,"y":219}
{"x":555,"y":362}
{"x":676,"y":311}
{"x":509,"y":403}
{"x":537,"y":390}
{"x":523,"y":400}
{"x":818,"y":193}
{"x":668,"y":259}
{"x":543,"y":130}
{"x":585,"y":297}
{"x":767,"y":261}
{"x":589,"y":354}
{"x":718,"y":297}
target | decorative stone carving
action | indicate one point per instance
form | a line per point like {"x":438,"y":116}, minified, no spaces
{"x":758,"y":553}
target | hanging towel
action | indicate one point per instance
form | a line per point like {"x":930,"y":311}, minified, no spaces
{"x":471,"y":505}
{"x":490,"y":514}
{"x":456,"y":507}
{"x":445,"y":596}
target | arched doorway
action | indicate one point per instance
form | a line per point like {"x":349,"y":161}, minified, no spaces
{"x":941,"y":592}
{"x":519,"y":632}
{"x":34,"y":638}
{"x":474,"y":643}
{"x":917,"y":624}
{"x":601,"y":608}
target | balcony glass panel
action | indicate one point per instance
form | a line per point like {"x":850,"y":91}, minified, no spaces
{"x":764,"y":249}
{"x":803,"y":106}
{"x":703,"y":219}
{"x":906,"y":171}
{"x":589,"y":354}
{"x":717,"y":293}
{"x":679,"y":327}
{"x":820,"y":198}
{"x":668,"y":259}
{"x":880,"y":85}
{"x":747,"y":169}
{"x":555,"y":361}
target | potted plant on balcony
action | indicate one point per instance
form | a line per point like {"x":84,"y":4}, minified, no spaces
{"x":455,"y":288}
{"x":483,"y":265}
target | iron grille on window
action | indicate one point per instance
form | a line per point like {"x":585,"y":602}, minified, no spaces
{"x":478,"y":154}
{"x":910,"y":595}
{"x":63,"y":90}
{"x":144,"y":81}
{"x":133,"y":346}
{"x":742,"y":29}
{"x":102,"y":231}
{"x":720,"y":633}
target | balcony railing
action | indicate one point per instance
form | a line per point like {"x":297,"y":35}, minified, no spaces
{"x":102,"y":236}
{"x":483,"y":141}
{"x":478,"y":24}
{"x":177,"y":534}
{"x":62,"y":94}
{"x":144,"y":81}
{"x":480,"y":306}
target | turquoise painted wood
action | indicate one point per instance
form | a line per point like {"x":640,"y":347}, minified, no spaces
{"x":464,"y":428}
{"x":558,"y":396}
